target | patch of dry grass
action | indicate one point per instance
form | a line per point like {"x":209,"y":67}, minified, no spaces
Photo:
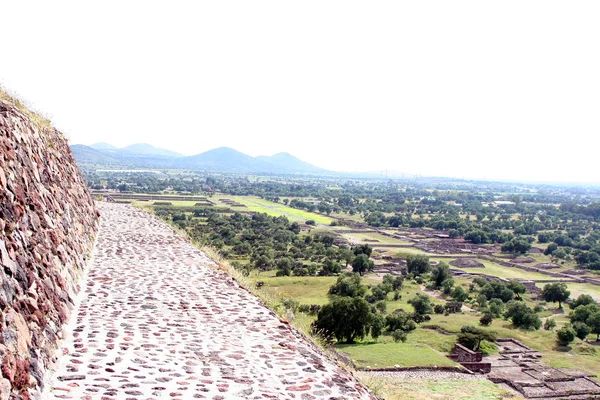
{"x":40,"y":121}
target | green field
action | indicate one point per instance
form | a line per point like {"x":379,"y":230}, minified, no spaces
{"x":494,"y":269}
{"x":436,"y":389}
{"x":369,"y":237}
{"x":282,"y":209}
{"x":252,"y":203}
{"x":423,"y":347}
{"x":386,"y":353}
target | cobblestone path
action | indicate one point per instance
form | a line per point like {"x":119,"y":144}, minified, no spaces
{"x":155,"y":321}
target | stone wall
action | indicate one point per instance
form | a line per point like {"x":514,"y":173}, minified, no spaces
{"x":48,"y":222}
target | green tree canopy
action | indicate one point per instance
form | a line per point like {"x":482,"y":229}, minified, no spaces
{"x":362,"y":264}
{"x":556,"y":292}
{"x":440,"y":273}
{"x":418,"y":264}
{"x":344,"y":319}
{"x":422,"y":304}
{"x":349,"y":285}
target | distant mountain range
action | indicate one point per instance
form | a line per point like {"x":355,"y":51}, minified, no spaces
{"x":225,"y":159}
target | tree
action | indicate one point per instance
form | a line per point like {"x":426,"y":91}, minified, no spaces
{"x":582,"y":313}
{"x":330,"y":267}
{"x":363,"y":249}
{"x":381,"y":306}
{"x":552,"y":247}
{"x":453,"y":307}
{"x":348,"y":285}
{"x":459,"y":294}
{"x":399,"y":336}
{"x":522,"y":316}
{"x":396,"y":282}
{"x":346,"y":255}
{"x":497,"y":290}
{"x":556,"y":292}
{"x":565,"y":335}
{"x":417,"y":264}
{"x":399,"y":320}
{"x":294,"y":226}
{"x":593,"y":322}
{"x":284,"y":266}
{"x":377,"y":325}
{"x":582,"y":330}
{"x":549,"y":324}
{"x":517,"y":287}
{"x":517,"y":245}
{"x":471,"y":336}
{"x":486,"y":319}
{"x":440,"y":273}
{"x":582,"y":300}
{"x":421,"y":303}
{"x":362,"y":264}
{"x":344,"y":319}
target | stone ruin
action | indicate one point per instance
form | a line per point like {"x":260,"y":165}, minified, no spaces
{"x":547,"y":266}
{"x":232,"y":203}
{"x":471,"y":360}
{"x":467,"y":263}
{"x":519,"y":368}
{"x":48,"y":222}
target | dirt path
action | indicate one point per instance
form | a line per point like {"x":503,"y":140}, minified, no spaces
{"x":155,"y":321}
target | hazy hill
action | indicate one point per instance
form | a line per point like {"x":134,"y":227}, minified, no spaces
{"x":225,"y":159}
{"x":88,"y":155}
{"x":143,"y":155}
{"x":289,"y":163}
{"x":149,"y":150}
{"x":103,"y":146}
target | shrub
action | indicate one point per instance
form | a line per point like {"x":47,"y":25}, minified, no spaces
{"x":538,"y":308}
{"x":348,"y":285}
{"x":421,"y":303}
{"x":486,"y":319}
{"x":290,"y":304}
{"x":522,"y":316}
{"x":381,"y":306}
{"x":453,"y":307}
{"x":549,"y":324}
{"x":377,"y":325}
{"x":565,"y":335}
{"x":582,"y":330}
{"x":399,"y":336}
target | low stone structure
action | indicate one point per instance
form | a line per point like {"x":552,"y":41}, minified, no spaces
{"x":520,"y":368}
{"x":471,"y":360}
{"x":467,"y":262}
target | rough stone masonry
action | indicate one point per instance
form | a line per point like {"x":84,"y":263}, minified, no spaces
{"x":47,"y":226}
{"x":157,"y":320}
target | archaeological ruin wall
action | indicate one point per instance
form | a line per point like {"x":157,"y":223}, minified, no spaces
{"x":48,"y":222}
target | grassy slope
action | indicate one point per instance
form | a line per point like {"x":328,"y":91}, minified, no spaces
{"x":423,"y":347}
{"x":429,"y":389}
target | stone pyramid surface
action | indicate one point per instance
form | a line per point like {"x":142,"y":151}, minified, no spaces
{"x":156,"y":320}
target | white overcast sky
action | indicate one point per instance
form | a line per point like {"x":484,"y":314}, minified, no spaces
{"x":475,"y":89}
